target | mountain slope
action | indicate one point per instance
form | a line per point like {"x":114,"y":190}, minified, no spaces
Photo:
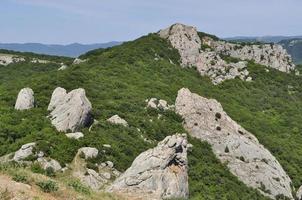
{"x":118,"y":80}
{"x":71,"y":50}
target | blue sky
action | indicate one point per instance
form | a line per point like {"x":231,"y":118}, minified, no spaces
{"x":93,"y":21}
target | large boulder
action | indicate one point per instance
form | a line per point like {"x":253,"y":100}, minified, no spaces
{"x":25,"y":99}
{"x":24,"y":152}
{"x":70,"y":111}
{"x":246,"y":158}
{"x":157,"y":173}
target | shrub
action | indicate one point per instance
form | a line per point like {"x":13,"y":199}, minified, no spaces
{"x":48,"y":186}
{"x":20,"y":178}
{"x":36,"y":168}
{"x":79,"y":187}
{"x":50,"y":172}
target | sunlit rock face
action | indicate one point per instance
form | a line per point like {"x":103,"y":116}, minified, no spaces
{"x":240,"y":150}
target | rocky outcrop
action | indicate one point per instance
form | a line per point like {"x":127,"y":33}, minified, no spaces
{"x":78,"y":61}
{"x":6,"y":59}
{"x":75,"y":136}
{"x":25,"y":99}
{"x":271,"y":55}
{"x":158,"y":173}
{"x":25,"y":151}
{"x":95,"y":178}
{"x":70,"y":111}
{"x":246,"y":158}
{"x":115,"y":119}
{"x":208,"y":55}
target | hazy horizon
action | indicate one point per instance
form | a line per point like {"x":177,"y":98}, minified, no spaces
{"x":95,"y":21}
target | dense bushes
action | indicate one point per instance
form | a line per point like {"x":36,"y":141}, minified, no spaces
{"x":48,"y":186}
{"x":119,"y":80}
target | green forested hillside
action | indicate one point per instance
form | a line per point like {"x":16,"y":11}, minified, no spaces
{"x":119,"y":79}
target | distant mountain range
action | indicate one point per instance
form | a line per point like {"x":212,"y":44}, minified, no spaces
{"x":265,"y":39}
{"x":71,"y":50}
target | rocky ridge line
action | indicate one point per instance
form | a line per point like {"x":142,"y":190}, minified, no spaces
{"x":207,"y":54}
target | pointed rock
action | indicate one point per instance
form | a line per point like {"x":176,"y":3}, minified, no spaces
{"x":157,"y":173}
{"x":57,"y":98}
{"x":25,"y":99}
{"x":70,"y":111}
{"x":246,"y":158}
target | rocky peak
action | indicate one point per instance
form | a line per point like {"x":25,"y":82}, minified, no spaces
{"x":205,"y":54}
{"x":186,"y":40}
{"x":157,"y":173}
{"x":246,"y":158}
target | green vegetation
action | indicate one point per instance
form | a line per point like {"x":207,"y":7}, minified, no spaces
{"x":119,"y":79}
{"x":48,"y":186}
{"x":79,"y":187}
{"x":19,"y":177}
{"x":203,"y":34}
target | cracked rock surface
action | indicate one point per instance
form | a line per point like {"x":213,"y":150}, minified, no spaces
{"x":70,"y":111}
{"x":157,"y":173}
{"x":246,"y":158}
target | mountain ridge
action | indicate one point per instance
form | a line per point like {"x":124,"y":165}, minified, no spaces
{"x":69,"y":50}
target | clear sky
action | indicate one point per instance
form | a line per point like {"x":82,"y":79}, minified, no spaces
{"x":94,"y":21}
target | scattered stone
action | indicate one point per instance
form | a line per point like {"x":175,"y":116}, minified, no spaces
{"x":76,"y":135}
{"x":246,"y":158}
{"x":158,"y":104}
{"x":25,"y":99}
{"x":49,"y":163}
{"x":159,"y":173}
{"x":70,"y":111}
{"x":89,"y":152}
{"x":117,"y":120}
{"x":107,"y":145}
{"x":25,"y":151}
{"x":93,"y":180}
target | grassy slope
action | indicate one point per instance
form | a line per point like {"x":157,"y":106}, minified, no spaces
{"x":119,"y":79}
